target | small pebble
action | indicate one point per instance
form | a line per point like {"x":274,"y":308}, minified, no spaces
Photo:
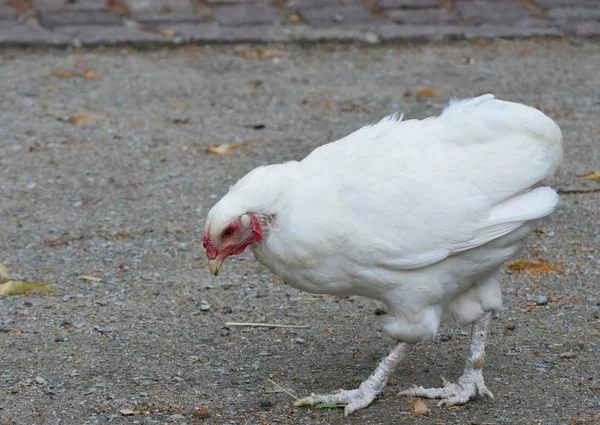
{"x":104,"y":329}
{"x":567,"y":355}
{"x":445,"y":337}
{"x":266,"y":404}
{"x":176,"y":417}
{"x":225,"y":331}
{"x":550,"y":234}
{"x":371,"y":37}
{"x":60,"y":338}
{"x":41,"y":380}
{"x":300,"y":341}
{"x":204,"y":306}
{"x":541,"y":300}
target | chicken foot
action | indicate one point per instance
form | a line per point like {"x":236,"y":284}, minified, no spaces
{"x":471,"y":383}
{"x":367,"y":391}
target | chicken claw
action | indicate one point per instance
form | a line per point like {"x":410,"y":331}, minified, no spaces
{"x":367,"y":391}
{"x":354,"y":399}
{"x":469,"y":385}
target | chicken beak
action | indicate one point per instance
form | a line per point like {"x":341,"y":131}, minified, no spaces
{"x":214,"y":265}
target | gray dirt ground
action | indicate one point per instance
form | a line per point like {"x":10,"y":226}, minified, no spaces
{"x":124,"y":200}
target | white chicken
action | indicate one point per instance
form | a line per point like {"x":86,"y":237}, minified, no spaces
{"x":418,"y":214}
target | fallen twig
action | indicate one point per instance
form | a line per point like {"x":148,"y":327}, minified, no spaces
{"x":283,"y":389}
{"x":265,"y":325}
{"x":577,"y":191}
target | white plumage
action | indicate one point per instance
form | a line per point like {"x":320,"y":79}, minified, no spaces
{"x":419,"y":214}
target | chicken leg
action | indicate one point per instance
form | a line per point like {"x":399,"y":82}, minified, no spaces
{"x":367,"y":391}
{"x":471,"y":383}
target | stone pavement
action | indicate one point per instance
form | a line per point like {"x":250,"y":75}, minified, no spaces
{"x":108,"y":22}
{"x":105,"y":183}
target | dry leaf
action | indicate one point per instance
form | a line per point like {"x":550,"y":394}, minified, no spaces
{"x":267,"y":53}
{"x":446,"y":5}
{"x":418,"y":407}
{"x":10,"y":286}
{"x":326,"y":104}
{"x":116,"y":6}
{"x":377,"y":10}
{"x":354,"y":107}
{"x":428,"y":93}
{"x":127,"y":412}
{"x":90,"y":74}
{"x":167,"y":33}
{"x":242,"y":53}
{"x":258,"y":53}
{"x":83,"y":119}
{"x":21,"y":6}
{"x":90,"y":278}
{"x":534,"y":267}
{"x":224,"y":149}
{"x":18,"y":287}
{"x":592,"y":175}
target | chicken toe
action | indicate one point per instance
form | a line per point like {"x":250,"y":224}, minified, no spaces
{"x":468,"y":387}
{"x":364,"y":395}
{"x":353,"y":399}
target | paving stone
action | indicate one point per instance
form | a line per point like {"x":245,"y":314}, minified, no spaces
{"x":248,"y":14}
{"x":421,"y":32}
{"x":519,"y":30}
{"x":488,"y":12}
{"x":567,"y":3}
{"x":92,"y":35}
{"x":230,"y":2}
{"x":421,"y":16}
{"x":409,"y":4}
{"x":322,"y":3}
{"x":7,"y":12}
{"x":214,"y":33}
{"x":15,"y":33}
{"x":586,"y":29}
{"x":57,"y":18}
{"x":341,"y":15}
{"x":45,"y":5}
{"x":574,"y":14}
{"x":210,"y":33}
{"x":162,"y":11}
{"x":264,"y":20}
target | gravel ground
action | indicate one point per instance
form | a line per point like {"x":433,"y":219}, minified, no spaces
{"x":123,"y":196}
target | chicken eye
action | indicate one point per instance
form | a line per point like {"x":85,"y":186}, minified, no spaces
{"x":227,"y":232}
